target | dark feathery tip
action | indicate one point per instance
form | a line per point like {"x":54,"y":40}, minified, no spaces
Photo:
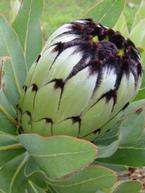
{"x":25,"y":88}
{"x":76,"y":119}
{"x":38,"y":58}
{"x":34,"y":88}
{"x":59,"y":47}
{"x":58,"y":83}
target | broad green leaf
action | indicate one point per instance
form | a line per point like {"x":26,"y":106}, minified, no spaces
{"x":14,"y":51}
{"x":106,"y":12}
{"x":107,"y":144}
{"x":137,"y":35}
{"x":91,"y":179}
{"x":131,"y":151}
{"x":33,"y":188}
{"x":21,"y":21}
{"x":140,"y":14}
{"x":121,"y":26}
{"x":106,"y":151}
{"x":134,"y":106}
{"x":14,"y":6}
{"x":114,"y":167}
{"x":127,"y":186}
{"x":131,"y":129}
{"x":59,"y":155}
{"x":6,"y":125}
{"x":12,"y":179}
{"x":51,"y":190}
{"x":6,"y":108}
{"x":12,"y":72}
{"x":142,"y":53}
{"x":32,"y":168}
{"x":111,"y":134}
{"x":27,"y":26}
{"x":128,"y":156}
{"x":9,"y":148}
{"x":141,"y":94}
{"x":9,"y":86}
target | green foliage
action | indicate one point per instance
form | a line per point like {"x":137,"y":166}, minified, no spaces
{"x":131,"y":147}
{"x":72,"y":154}
{"x":27,"y":26}
{"x":61,"y":164}
{"x":88,"y":180}
{"x":106,"y":12}
{"x":128,"y":186}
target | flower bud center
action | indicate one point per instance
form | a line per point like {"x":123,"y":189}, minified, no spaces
{"x":106,"y":49}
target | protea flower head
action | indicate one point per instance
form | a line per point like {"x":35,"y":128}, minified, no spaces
{"x":84,"y":76}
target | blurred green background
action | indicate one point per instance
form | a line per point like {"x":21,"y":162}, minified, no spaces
{"x":57,"y":12}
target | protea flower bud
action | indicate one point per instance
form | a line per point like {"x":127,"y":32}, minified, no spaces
{"x":84,"y":76}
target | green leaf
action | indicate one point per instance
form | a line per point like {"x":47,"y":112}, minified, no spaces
{"x":6,"y":125}
{"x":117,"y":168}
{"x":9,"y":86}
{"x":133,"y":107}
{"x":121,"y":25}
{"x":33,"y":188}
{"x":9,"y":148}
{"x":13,"y":161}
{"x":140,"y":14}
{"x":130,"y":11}
{"x":126,"y":187}
{"x":128,"y":156}
{"x":32,"y":168}
{"x":27,"y":26}
{"x":91,"y":179}
{"x":107,"y":151}
{"x":132,"y":129}
{"x":12,"y":178}
{"x":141,"y":93}
{"x":106,"y":12}
{"x":14,"y":52}
{"x":131,"y":151}
{"x":111,"y":134}
{"x":12,"y":73}
{"x":59,"y":155}
{"x":137,"y":35}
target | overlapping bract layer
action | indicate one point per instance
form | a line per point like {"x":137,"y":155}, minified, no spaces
{"x":84,"y":76}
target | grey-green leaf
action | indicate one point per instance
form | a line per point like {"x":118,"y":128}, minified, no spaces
{"x":131,"y":151}
{"x":9,"y":148}
{"x":91,"y":179}
{"x":137,"y":34}
{"x":12,"y":73}
{"x":108,"y":150}
{"x":14,"y":51}
{"x":127,"y":186}
{"x":121,"y":25}
{"x":59,"y":155}
{"x":12,"y":178}
{"x":106,"y":12}
{"x":140,"y":14}
{"x":132,"y":129}
{"x":27,"y":26}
